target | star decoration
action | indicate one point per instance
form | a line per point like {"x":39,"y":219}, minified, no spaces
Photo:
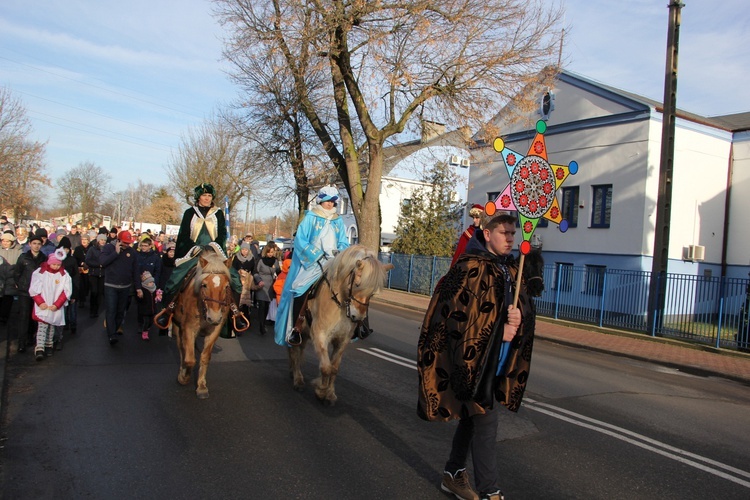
{"x":533,"y":186}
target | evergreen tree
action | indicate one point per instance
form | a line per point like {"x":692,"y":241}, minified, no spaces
{"x":430,"y":223}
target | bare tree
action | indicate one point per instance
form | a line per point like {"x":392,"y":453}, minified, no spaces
{"x":22,"y":165}
{"x":217,"y":154}
{"x":393,"y":63}
{"x":81,"y":189}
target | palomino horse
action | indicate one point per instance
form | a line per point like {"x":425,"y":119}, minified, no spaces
{"x":201,"y":309}
{"x":337,"y":305}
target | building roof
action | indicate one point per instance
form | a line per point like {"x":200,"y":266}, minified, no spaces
{"x":737,"y":122}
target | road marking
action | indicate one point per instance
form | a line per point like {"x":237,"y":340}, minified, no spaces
{"x":393,"y":358}
{"x":604,"y":428}
{"x":645,"y":442}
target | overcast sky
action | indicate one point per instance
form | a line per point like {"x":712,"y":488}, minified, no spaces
{"x":117,"y":83}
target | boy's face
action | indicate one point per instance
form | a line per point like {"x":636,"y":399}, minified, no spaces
{"x":500,"y":240}
{"x":35,"y":246}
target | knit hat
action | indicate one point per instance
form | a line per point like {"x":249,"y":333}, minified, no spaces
{"x":245,"y":244}
{"x":64,"y":242}
{"x":101,"y":237}
{"x":35,"y":237}
{"x":170,"y":246}
{"x":56,"y":257}
{"x":103,"y":230}
{"x":8,"y":235}
{"x":147,"y":281}
{"x":41,"y":232}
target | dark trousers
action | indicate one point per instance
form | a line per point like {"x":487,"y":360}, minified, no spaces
{"x":83,"y":291}
{"x":96,"y":285}
{"x":6,"y":303}
{"x":478,"y":433}
{"x":26,"y":325}
{"x":71,"y":316}
{"x":115,"y":300}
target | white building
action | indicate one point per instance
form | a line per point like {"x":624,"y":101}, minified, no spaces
{"x":610,"y":203}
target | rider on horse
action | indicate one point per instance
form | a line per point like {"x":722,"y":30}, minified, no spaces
{"x":202,"y":224}
{"x":320,"y":236}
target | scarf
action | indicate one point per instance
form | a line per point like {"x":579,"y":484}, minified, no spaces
{"x":326,"y":214}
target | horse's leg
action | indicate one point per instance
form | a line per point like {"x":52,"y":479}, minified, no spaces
{"x":296,"y":355}
{"x":208,"y":345}
{"x":322,"y":384}
{"x":183,"y":375}
{"x":339,"y":346}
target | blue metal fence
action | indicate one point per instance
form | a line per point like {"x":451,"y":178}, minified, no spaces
{"x":709,"y":310}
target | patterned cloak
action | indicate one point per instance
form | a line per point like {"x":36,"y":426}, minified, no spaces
{"x":460,"y":336}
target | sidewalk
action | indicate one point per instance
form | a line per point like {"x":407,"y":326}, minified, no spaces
{"x":688,"y":357}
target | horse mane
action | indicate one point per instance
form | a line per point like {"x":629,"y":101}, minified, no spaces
{"x":346,"y":262}
{"x":533,"y":267}
{"x":215,"y":264}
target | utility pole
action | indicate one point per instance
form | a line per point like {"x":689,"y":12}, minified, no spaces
{"x":658,"y":285}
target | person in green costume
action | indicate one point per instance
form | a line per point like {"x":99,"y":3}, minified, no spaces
{"x":202,"y":224}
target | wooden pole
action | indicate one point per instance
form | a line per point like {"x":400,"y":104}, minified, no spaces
{"x":518,"y":279}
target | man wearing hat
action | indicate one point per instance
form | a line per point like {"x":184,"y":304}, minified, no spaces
{"x":476,"y":212}
{"x":27,"y":263}
{"x":96,"y":273}
{"x":321,"y":235}
{"x":47,"y":246}
{"x":120,"y":275}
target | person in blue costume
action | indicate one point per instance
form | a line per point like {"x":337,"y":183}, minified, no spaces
{"x":202,"y":224}
{"x":320,"y":236}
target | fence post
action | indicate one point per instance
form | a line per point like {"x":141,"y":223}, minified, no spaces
{"x":722,"y":284}
{"x":601,"y":303}
{"x":653,"y":306}
{"x":557,"y":289}
{"x":411,"y":267}
{"x":432,"y":276}
{"x":390,"y":273}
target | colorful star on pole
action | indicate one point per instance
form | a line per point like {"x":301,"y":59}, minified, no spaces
{"x":532,"y":187}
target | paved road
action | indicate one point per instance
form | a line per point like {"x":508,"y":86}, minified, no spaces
{"x":99,"y":422}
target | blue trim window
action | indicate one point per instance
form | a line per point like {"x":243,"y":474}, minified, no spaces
{"x":602,"y":205}
{"x":570,"y":205}
{"x":595,"y":280}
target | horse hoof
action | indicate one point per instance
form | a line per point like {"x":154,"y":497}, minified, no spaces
{"x":299,"y":387}
{"x":183,"y":380}
{"x":329,"y":402}
{"x":202,"y":394}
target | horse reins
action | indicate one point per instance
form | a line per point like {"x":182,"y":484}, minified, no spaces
{"x":345,"y":305}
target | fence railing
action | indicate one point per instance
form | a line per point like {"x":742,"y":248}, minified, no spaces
{"x":709,"y":310}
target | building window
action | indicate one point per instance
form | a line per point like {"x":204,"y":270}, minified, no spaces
{"x":406,"y":207}
{"x":492,"y":195}
{"x":595,"y":280}
{"x":344,"y":206}
{"x":565,"y":276}
{"x":601,"y":206}
{"x":570,"y":205}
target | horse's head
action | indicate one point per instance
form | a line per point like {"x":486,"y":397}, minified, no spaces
{"x":212,"y":288}
{"x":357,"y":275}
{"x":533,"y":272}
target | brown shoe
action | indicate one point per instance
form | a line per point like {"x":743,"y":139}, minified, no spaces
{"x":458,"y":485}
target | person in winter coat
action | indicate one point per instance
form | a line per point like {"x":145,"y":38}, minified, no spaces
{"x":266,"y":270}
{"x":84,"y":286}
{"x":48,"y":246}
{"x":27,"y":263}
{"x":149,"y":261}
{"x":120,"y":276}
{"x":50,"y":289}
{"x":147,"y":304}
{"x":471,"y":352}
{"x":22,"y":238}
{"x":167,"y":265}
{"x":278,"y":285}
{"x":70,"y":264}
{"x":96,"y":274}
{"x":10,"y":251}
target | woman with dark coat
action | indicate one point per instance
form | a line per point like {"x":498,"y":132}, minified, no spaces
{"x":266,"y":270}
{"x":70,"y":264}
{"x":96,"y":273}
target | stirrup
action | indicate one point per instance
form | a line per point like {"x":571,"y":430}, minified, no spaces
{"x":167,"y":312}
{"x":240,"y":322}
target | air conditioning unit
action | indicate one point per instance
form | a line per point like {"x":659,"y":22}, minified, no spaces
{"x":465,"y":163}
{"x":454,"y":160}
{"x":695,"y":253}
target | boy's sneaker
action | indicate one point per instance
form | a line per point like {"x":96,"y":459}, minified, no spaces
{"x":497,"y":495}
{"x":39,"y":354}
{"x":458,"y":485}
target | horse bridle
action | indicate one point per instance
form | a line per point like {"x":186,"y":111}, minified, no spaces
{"x":345,"y":305}
{"x":227,"y":296}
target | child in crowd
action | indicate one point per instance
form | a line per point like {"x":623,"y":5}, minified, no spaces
{"x":147,"y":304}
{"x":50,"y":289}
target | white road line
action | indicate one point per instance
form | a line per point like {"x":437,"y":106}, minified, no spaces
{"x":603,"y":428}
{"x":390,"y":358}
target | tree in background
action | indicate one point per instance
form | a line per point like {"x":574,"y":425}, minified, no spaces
{"x":390,"y":65}
{"x":82,"y":189}
{"x":164,"y":209}
{"x":22,"y":165}
{"x":216,"y":153}
{"x":430,"y":223}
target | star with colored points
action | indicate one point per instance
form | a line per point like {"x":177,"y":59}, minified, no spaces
{"x":533,"y":186}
